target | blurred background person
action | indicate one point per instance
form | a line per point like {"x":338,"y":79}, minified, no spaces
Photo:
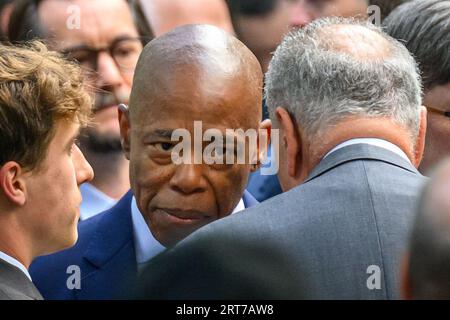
{"x":41,"y":167}
{"x":140,"y":19}
{"x":424,"y":27}
{"x":103,"y":38}
{"x":261,"y":24}
{"x":427,"y":267}
{"x":6,"y":7}
{"x":165,"y":15}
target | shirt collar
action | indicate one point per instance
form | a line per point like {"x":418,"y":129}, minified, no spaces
{"x":374,"y":142}
{"x":145,"y":244}
{"x":15,"y":263}
{"x":94,"y":201}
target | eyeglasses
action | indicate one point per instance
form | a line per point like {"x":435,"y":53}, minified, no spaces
{"x":443,"y":113}
{"x":124,"y":51}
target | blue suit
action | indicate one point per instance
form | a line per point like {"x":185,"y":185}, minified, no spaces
{"x":105,"y":256}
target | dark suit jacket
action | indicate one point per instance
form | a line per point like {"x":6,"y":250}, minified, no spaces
{"x":14,"y":285}
{"x":104,"y":253}
{"x":339,"y":235}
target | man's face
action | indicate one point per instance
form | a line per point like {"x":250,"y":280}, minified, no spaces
{"x":262,"y":34}
{"x":53,"y":194}
{"x":103,"y":24}
{"x":437,"y":144}
{"x":178,"y":199}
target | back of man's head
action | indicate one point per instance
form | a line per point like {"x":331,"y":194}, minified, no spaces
{"x":424,"y":27}
{"x":337,"y":68}
{"x":428,"y":275}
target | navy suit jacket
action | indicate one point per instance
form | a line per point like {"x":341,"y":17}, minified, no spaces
{"x":104,"y":254}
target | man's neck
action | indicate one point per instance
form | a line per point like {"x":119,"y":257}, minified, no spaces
{"x":13,"y":242}
{"x":346,"y":130}
{"x":111,"y":173}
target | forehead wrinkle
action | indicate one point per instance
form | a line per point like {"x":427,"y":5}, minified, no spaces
{"x":94,"y":28}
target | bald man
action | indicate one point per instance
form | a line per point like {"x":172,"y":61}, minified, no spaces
{"x":164,"y":15}
{"x":195,"y":77}
{"x":346,"y":99}
{"x":427,"y":273}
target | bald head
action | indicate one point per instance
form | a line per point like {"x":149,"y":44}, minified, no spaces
{"x":204,"y":56}
{"x":166,"y":15}
{"x":429,"y":263}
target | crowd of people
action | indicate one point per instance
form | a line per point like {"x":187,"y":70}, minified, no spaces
{"x":224,"y":149}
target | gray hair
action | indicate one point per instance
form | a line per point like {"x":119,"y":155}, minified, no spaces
{"x":424,"y":28}
{"x":320,"y":85}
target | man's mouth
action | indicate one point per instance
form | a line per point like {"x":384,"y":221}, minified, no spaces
{"x":183,"y":215}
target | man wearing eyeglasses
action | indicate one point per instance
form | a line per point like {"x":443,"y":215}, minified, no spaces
{"x":101,"y":35}
{"x":423,"y":26}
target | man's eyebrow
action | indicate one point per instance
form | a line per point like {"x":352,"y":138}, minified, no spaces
{"x":160,"y":133}
{"x":73,"y":138}
{"x":83,"y":46}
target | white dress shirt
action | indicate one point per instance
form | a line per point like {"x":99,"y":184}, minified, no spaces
{"x":374,"y":142}
{"x":15,"y":263}
{"x":145,"y":244}
{"x":94,"y":201}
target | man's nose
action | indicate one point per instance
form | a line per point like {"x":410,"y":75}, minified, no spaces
{"x":108,"y":73}
{"x":301,"y":15}
{"x":188,"y":179}
{"x":83,"y":170}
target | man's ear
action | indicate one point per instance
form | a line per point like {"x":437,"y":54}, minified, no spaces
{"x":264,"y":136}
{"x":420,"y":141}
{"x":124,"y":123}
{"x":12,"y":183}
{"x":291,"y":140}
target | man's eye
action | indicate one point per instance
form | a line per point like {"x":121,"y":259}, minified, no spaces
{"x":164,"y":146}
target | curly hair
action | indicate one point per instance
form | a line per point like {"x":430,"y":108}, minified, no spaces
{"x":37,"y":89}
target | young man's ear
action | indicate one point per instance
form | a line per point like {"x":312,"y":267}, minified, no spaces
{"x":124,"y":123}
{"x":264,"y":136}
{"x":291,"y":140}
{"x":12,"y":183}
{"x":420,"y":141}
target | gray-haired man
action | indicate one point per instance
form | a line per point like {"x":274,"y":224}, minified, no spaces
{"x":347,"y":101}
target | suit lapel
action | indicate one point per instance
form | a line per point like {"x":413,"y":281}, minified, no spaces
{"x":359,"y":152}
{"x":111,"y":253}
